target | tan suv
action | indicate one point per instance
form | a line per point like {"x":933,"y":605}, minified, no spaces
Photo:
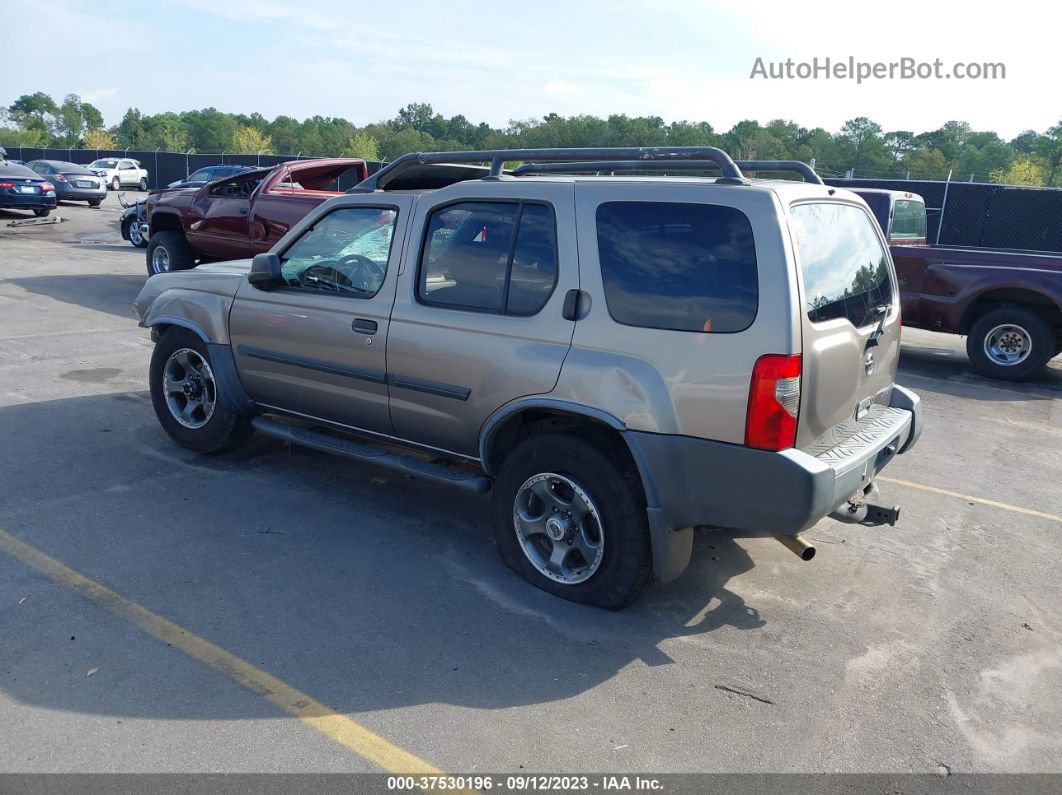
{"x":620,"y":358}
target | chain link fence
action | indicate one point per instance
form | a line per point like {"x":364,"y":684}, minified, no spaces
{"x":982,"y":214}
{"x":163,"y":167}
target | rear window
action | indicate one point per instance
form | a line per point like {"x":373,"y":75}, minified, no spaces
{"x":846,"y":269}
{"x":678,"y":266}
{"x":908,"y":220}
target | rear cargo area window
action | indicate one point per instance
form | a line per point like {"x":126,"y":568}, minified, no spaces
{"x":908,"y":220}
{"x":846,"y":269}
{"x":678,"y":266}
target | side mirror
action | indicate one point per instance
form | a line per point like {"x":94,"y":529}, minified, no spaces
{"x":265,"y":271}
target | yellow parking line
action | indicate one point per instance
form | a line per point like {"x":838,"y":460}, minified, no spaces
{"x":970,"y":498}
{"x":332,"y":724}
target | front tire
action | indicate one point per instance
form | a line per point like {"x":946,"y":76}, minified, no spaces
{"x":185,"y":396}
{"x":1010,"y":343}
{"x":115,"y":184}
{"x":142,"y":184}
{"x":570,"y":518}
{"x":168,"y":251}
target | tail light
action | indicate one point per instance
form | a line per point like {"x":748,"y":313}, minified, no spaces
{"x":7,"y":185}
{"x":60,"y":178}
{"x":774,"y":402}
{"x":46,"y":186}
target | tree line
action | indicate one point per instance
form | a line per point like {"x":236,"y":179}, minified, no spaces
{"x":860,"y":146}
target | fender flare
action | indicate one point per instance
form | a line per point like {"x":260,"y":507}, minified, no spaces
{"x":671,"y":547}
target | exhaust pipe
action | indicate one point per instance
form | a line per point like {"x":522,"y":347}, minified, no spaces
{"x":798,"y":545}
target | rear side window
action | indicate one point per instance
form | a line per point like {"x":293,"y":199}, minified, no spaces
{"x":846,"y":269}
{"x":490,"y":257}
{"x":908,"y":220}
{"x":679,"y":266}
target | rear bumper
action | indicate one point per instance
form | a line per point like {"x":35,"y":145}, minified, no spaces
{"x":690,"y":482}
{"x":27,"y":202}
{"x":82,"y":194}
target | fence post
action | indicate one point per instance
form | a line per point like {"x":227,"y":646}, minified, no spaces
{"x":186,"y":172}
{"x":222,"y":157}
{"x":155,"y":173}
{"x":297,"y":156}
{"x":259,"y":161}
{"x":943,"y":204}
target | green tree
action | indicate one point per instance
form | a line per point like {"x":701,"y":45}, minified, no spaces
{"x":362,"y":145}
{"x":34,"y":112}
{"x":99,"y":138}
{"x":250,"y":141}
{"x":1023,"y":171}
{"x":926,"y":164}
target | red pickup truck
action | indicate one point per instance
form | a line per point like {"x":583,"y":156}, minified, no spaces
{"x":1008,"y":303}
{"x":242,"y":215}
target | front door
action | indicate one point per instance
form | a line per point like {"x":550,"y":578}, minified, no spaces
{"x":317,"y":345}
{"x":218,"y":218}
{"x":478,"y":320}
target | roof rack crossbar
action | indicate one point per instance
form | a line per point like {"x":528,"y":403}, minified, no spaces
{"x":662,"y":165}
{"x":497,"y":157}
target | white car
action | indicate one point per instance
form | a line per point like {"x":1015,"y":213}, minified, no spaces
{"x":120,"y":172}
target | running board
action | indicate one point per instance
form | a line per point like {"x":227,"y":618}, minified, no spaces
{"x":319,"y":439}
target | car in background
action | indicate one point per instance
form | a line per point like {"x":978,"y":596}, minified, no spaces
{"x":120,"y":172}
{"x":202,"y":176}
{"x":23,"y":189}
{"x":72,"y":182}
{"x":1008,"y":303}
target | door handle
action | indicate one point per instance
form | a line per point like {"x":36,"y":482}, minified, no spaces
{"x":361,"y":325}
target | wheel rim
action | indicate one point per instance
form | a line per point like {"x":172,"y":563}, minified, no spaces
{"x":160,"y":260}
{"x":559,"y":528}
{"x":134,"y":234}
{"x":188,"y":383}
{"x":1008,"y":345}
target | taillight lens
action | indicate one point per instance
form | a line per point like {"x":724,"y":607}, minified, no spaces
{"x":46,"y":186}
{"x":7,"y":185}
{"x":774,"y":402}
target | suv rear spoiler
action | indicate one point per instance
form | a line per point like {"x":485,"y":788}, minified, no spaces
{"x":803,"y":169}
{"x":497,"y":157}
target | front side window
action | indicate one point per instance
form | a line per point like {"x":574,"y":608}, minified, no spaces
{"x":846,"y":270}
{"x":104,"y":163}
{"x":908,"y":220}
{"x":345,"y":252}
{"x":490,"y":257}
{"x":678,"y":266}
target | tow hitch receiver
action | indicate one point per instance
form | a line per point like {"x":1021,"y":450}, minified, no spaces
{"x":858,"y":510}
{"x":880,"y":514}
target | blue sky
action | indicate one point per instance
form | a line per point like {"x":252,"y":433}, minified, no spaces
{"x":500,"y":61}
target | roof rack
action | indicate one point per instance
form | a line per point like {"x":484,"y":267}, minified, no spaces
{"x":497,"y":157}
{"x":806,"y":171}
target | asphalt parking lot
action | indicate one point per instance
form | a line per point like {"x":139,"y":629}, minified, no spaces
{"x":379,"y":606}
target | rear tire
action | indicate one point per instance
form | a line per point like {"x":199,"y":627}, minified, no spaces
{"x":95,"y":202}
{"x":577,"y":472}
{"x":1010,"y":343}
{"x":42,"y":212}
{"x":168,"y":251}
{"x":193,"y":417}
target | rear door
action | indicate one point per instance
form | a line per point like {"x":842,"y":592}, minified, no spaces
{"x":851,"y":317}
{"x":317,"y":346}
{"x":478,"y":318}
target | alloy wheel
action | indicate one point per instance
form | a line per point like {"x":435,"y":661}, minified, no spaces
{"x":559,"y":528}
